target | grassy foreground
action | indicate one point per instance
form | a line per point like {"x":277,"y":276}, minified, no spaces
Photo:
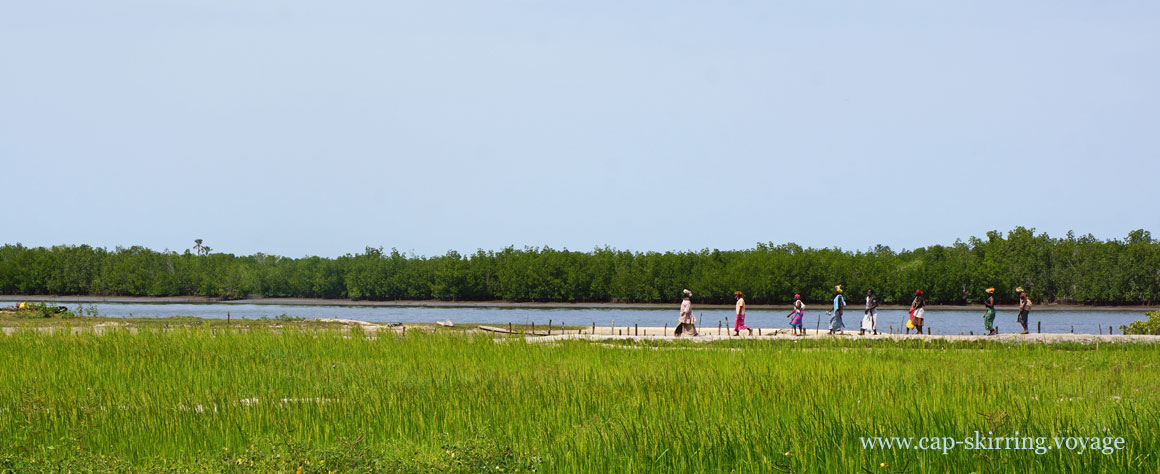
{"x":321,"y":400}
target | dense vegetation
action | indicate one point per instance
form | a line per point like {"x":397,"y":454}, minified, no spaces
{"x":1145,"y":326}
{"x":1072,"y":269}
{"x":200,"y":400}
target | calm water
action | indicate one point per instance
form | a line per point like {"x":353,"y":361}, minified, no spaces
{"x":941,"y":321}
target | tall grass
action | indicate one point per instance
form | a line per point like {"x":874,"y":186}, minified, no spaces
{"x":216,"y":401}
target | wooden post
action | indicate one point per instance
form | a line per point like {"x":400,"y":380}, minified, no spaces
{"x":1073,"y":329}
{"x":891,"y":329}
{"x":227,"y":318}
{"x":549,"y":327}
{"x":509,"y":327}
{"x":635,"y":330}
{"x":404,"y":330}
{"x":533,"y":328}
{"x":928,"y":330}
{"x":758,"y":332}
{"x":593,"y":328}
{"x":666,"y":328}
{"x":972,"y":333}
{"x":1038,"y":327}
{"x":646,"y":333}
{"x":621,"y":332}
{"x":612,"y":328}
{"x":718,"y":327}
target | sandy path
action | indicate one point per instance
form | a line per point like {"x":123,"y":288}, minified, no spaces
{"x":712,"y":334}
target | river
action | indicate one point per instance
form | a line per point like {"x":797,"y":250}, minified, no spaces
{"x":939,"y":320}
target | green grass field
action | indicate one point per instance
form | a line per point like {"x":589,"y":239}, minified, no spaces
{"x":321,"y":400}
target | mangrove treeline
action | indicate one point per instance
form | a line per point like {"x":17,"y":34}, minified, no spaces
{"x":1072,"y":269}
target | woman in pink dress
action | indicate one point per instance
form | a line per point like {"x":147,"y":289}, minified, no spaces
{"x":739,"y":321}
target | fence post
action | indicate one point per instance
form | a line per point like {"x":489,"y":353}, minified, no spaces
{"x":1038,"y":327}
{"x":549,"y":327}
{"x":928,"y":330}
{"x":593,"y":328}
{"x":635,"y":330}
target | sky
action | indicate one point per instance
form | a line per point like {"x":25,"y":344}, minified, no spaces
{"x":322,"y":128}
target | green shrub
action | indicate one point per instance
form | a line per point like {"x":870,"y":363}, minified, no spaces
{"x":1148,"y":326}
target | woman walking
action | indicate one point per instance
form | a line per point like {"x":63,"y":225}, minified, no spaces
{"x":1024,"y":308}
{"x":918,"y":311}
{"x":686,"y":320}
{"x":836,"y":323}
{"x":989,"y":316}
{"x":870,"y":321}
{"x":797,"y":315}
{"x":739,"y":320}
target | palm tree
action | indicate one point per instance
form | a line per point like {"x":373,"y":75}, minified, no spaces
{"x":197,"y":246}
{"x":206,"y":250}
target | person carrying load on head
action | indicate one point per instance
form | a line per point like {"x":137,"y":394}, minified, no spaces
{"x":1024,"y":308}
{"x":836,"y":323}
{"x":989,"y":315}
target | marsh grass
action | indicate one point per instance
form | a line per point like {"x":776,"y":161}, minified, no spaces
{"x":200,"y":400}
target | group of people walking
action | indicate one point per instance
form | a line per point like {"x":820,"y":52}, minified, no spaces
{"x":916,"y":320}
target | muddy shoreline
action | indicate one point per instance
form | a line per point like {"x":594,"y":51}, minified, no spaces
{"x":853,"y":306}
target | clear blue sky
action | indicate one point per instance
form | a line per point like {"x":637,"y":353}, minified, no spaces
{"x":320,"y":128}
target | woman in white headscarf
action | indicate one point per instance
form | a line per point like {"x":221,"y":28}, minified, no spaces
{"x":685,"y":323}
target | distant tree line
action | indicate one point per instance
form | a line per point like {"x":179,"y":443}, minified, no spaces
{"x":1071,"y":269}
